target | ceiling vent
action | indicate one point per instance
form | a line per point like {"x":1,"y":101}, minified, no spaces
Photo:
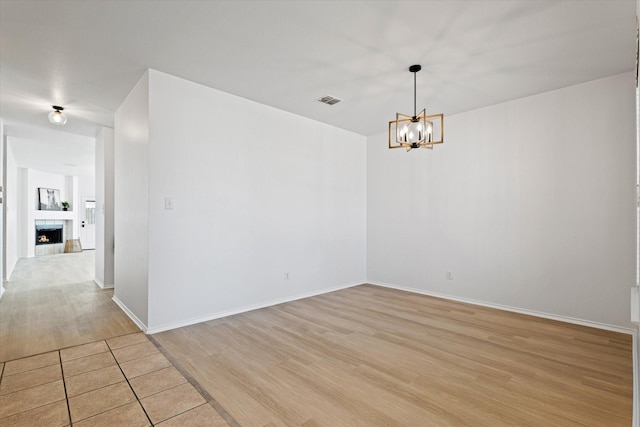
{"x":329,"y":100}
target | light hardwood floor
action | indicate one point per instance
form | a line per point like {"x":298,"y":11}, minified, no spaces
{"x":52,"y":302}
{"x":370,"y":356}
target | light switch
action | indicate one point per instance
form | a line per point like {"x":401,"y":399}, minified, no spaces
{"x":168,"y":203}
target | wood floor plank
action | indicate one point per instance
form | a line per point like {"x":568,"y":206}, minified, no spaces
{"x":372,"y":356}
{"x":52,"y":302}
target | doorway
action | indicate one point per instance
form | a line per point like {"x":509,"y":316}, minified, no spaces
{"x":88,"y":222}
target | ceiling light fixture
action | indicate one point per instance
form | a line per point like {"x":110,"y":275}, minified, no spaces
{"x":56,"y":116}
{"x":419,"y":130}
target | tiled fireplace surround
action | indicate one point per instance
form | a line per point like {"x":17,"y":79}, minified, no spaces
{"x":56,"y":248}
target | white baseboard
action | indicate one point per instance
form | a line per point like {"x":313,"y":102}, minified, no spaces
{"x":102,"y":285}
{"x":544,"y":315}
{"x":244,"y":309}
{"x":129,"y":313}
{"x":1,"y":291}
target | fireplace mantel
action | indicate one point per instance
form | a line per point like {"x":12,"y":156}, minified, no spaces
{"x":53,"y":215}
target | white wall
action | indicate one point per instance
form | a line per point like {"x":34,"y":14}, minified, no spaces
{"x":530,"y":204}
{"x":2,"y":183}
{"x":100,"y":208}
{"x":86,"y":187}
{"x":286,"y":194}
{"x":636,"y":362}
{"x":11,"y":209}
{"x":104,"y":207}
{"x":131,"y":195}
{"x":22,"y":211}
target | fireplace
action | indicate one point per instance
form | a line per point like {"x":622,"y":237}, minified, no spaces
{"x":48,"y":234}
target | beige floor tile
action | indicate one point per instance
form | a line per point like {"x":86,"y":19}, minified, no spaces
{"x":25,"y":400}
{"x":28,"y":363}
{"x":51,"y":415}
{"x":144,"y":365}
{"x":202,"y":416}
{"x":130,"y":415}
{"x":172,"y":402}
{"x":28,"y":379}
{"x":127,"y":340}
{"x":157,"y":381}
{"x":1,"y":368}
{"x":83,"y":350}
{"x":98,"y":401}
{"x":87,"y":364}
{"x":133,"y":352}
{"x":93,"y":380}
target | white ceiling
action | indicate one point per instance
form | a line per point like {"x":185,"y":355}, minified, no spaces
{"x":55,"y":152}
{"x":87,"y":55}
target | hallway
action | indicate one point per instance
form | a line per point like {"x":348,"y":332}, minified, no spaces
{"x":52,"y":302}
{"x":89,"y":364}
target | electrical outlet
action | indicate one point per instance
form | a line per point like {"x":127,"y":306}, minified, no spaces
{"x":449,"y":275}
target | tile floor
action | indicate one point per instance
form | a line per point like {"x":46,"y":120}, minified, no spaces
{"x":120,"y":381}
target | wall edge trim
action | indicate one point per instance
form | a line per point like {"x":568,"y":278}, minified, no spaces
{"x":102,"y":285}
{"x":129,"y":313}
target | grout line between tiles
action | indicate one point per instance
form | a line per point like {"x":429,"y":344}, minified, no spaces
{"x":28,"y":370}
{"x":110,"y":409}
{"x":64,"y":384}
{"x":129,"y":384}
{"x":210,"y":400}
{"x":90,"y":370}
{"x":158,"y":392}
{"x":184,"y":412}
{"x":25,"y":357}
{"x":39,"y":385}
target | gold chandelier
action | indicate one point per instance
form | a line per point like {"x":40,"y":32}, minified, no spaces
{"x":419,"y":130}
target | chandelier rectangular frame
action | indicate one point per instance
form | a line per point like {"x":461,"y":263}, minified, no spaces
{"x":433,"y":123}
